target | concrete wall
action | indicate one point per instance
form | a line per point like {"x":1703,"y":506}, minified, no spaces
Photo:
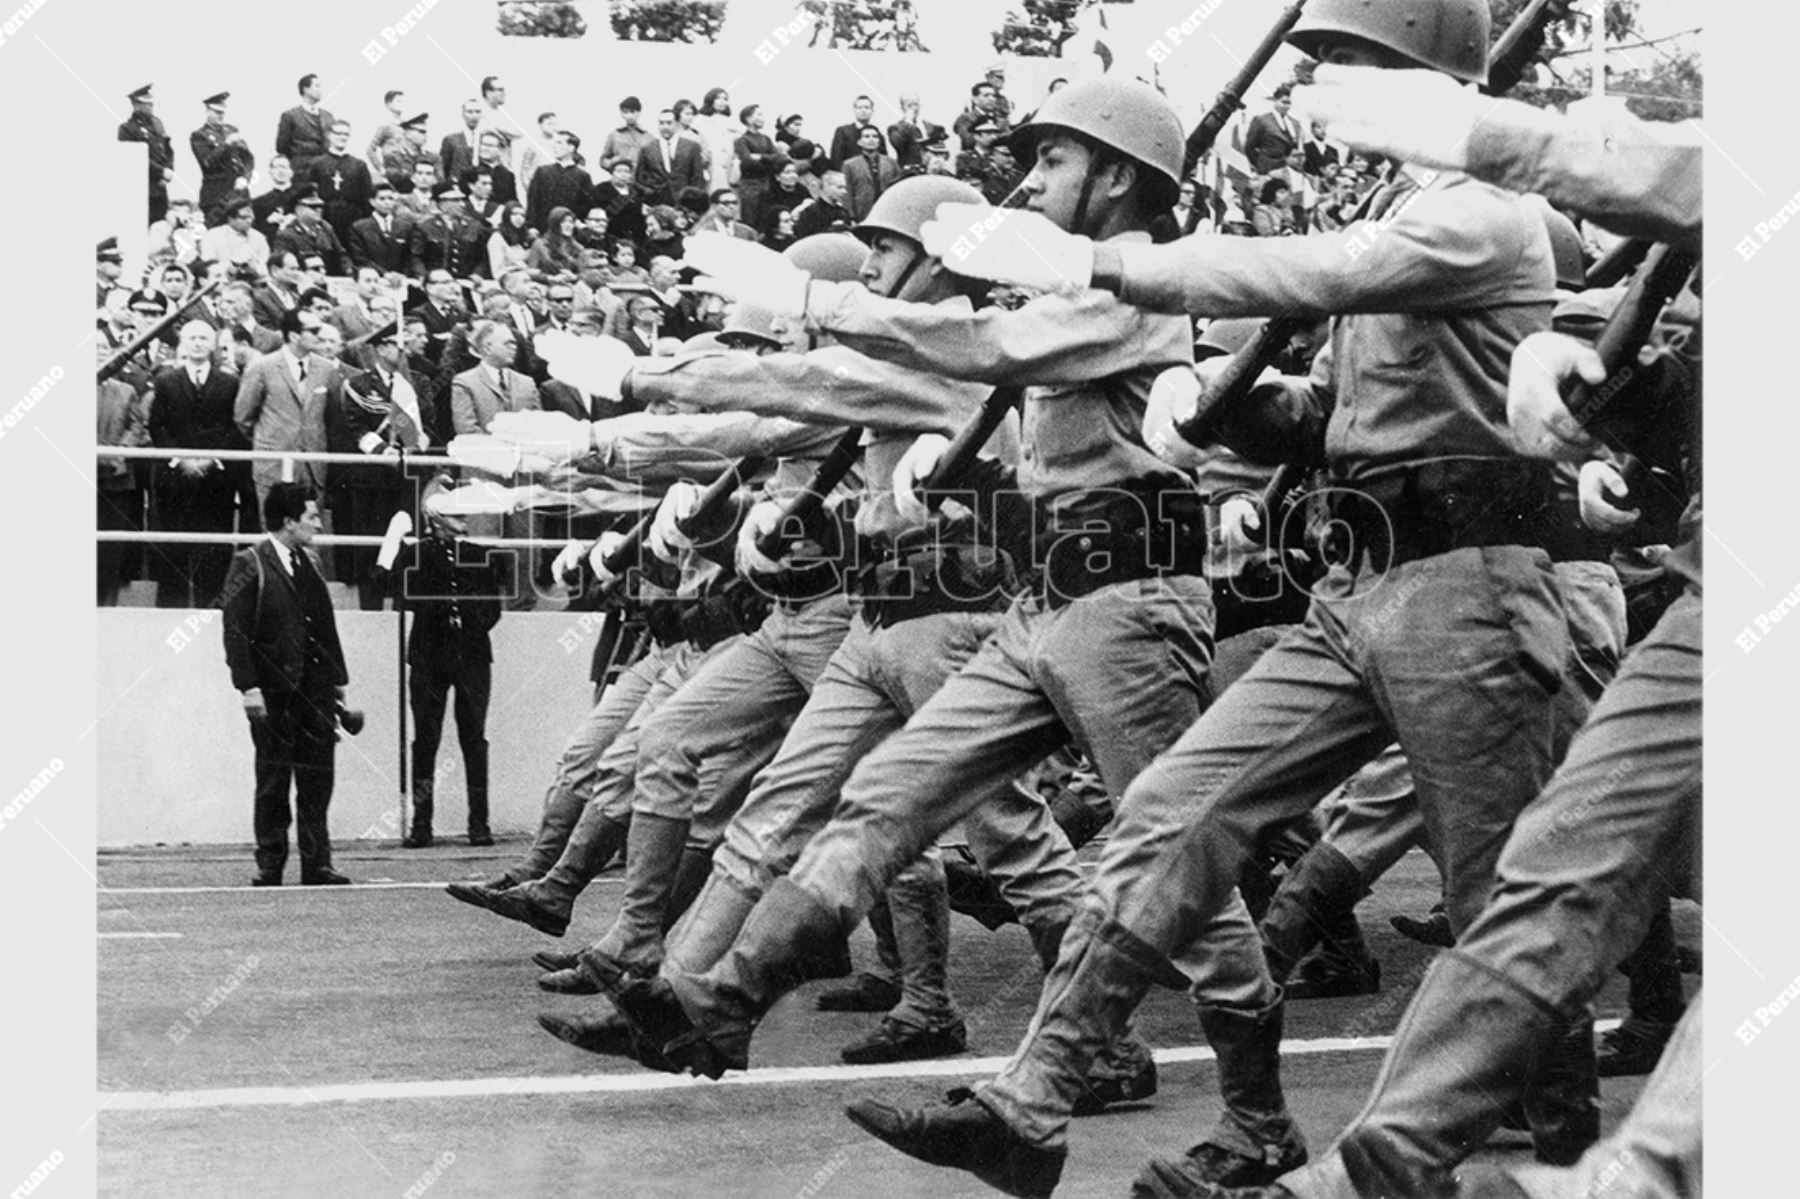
{"x":174,"y":749}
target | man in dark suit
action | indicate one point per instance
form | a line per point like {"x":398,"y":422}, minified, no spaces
{"x":456,"y":153}
{"x":272,"y":206}
{"x":1272,"y":135}
{"x":911,"y":134}
{"x":667,"y":164}
{"x":868,"y":173}
{"x":1321,"y":157}
{"x":303,"y":132}
{"x":559,"y":184}
{"x":441,"y":311}
{"x":143,"y":126}
{"x":281,"y":643}
{"x":191,"y":409}
{"x":383,"y":239}
{"x":343,"y":182}
{"x":846,"y":140}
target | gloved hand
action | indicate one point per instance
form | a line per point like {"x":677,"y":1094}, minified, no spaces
{"x":1600,"y":484}
{"x":1541,"y":423}
{"x":254,"y":707}
{"x":555,"y":436}
{"x":592,"y":365}
{"x":1239,"y":518}
{"x":746,"y":271}
{"x":1416,"y":116}
{"x":915,"y":466}
{"x":608,"y":542}
{"x":566,"y":569}
{"x":665,"y":539}
{"x":1173,"y":398}
{"x":1009,"y":245}
{"x":764,"y":516}
{"x":398,"y":527}
{"x":480,"y":498}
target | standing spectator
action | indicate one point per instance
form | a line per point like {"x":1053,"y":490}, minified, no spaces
{"x":343,"y":181}
{"x":389,"y":135}
{"x":668,"y":163}
{"x":456,"y":153}
{"x":243,"y":250}
{"x":488,"y":158}
{"x":120,"y":501}
{"x":453,"y":591}
{"x":555,"y":254}
{"x":478,"y":186}
{"x":758,"y":158}
{"x":868,"y":172}
{"x":539,"y":150}
{"x":272,"y":207}
{"x":1188,"y":216}
{"x":400,"y":155}
{"x":226,"y":162}
{"x":381,"y":239}
{"x":143,"y":126}
{"x":1321,"y":157}
{"x":281,"y":643}
{"x":495,"y":119}
{"x":1272,"y":135}
{"x":561,"y":184}
{"x":304,"y":130}
{"x":618,"y":198}
{"x":911,"y":134}
{"x":280,"y":403}
{"x":719,"y":132}
{"x":788,"y":130}
{"x":308,"y":233}
{"x":109,"y":264}
{"x":625,"y":143}
{"x":192,"y":409}
{"x":846,"y":140}
{"x":996,"y":79}
{"x":492,"y":385}
{"x":825,"y":212}
{"x":984,"y":105}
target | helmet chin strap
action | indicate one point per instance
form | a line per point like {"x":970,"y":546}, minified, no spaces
{"x":918,"y":259}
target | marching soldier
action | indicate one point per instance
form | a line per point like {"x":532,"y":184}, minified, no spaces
{"x":226,"y":162}
{"x":143,"y":125}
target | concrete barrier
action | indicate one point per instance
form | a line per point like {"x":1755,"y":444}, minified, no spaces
{"x":174,"y":749}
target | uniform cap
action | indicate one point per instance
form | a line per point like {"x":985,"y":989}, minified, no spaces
{"x":216,"y":100}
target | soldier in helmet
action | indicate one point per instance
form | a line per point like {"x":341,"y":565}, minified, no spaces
{"x":1445,"y":630}
{"x":1069,"y":658}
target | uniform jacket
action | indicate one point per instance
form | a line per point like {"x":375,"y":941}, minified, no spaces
{"x":316,"y":237}
{"x":453,"y":591}
{"x":150,"y":131}
{"x":474,"y":399}
{"x":271,"y":621}
{"x":221,"y":165}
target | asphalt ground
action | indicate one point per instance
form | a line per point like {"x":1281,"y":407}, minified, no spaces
{"x":380,"y":1039}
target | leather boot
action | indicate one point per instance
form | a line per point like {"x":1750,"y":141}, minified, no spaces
{"x":973,"y":893}
{"x":653,"y":856}
{"x":1460,"y":1058}
{"x":595,"y":839}
{"x":690,"y":876}
{"x":475,"y":770}
{"x":1562,"y":1104}
{"x":1315,"y":905}
{"x":712,"y":922}
{"x":1122,"y":1072}
{"x":423,"y":785}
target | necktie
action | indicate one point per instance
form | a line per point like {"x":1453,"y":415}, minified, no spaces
{"x":505,"y":391}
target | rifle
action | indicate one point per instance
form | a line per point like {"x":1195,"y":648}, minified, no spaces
{"x":1231,"y":98}
{"x":718,"y":493}
{"x":1287,"y":476}
{"x":1664,"y":273}
{"x":1618,"y":262}
{"x":1520,"y":44}
{"x":128,"y":351}
{"x":804,"y":508}
{"x":963,"y":449}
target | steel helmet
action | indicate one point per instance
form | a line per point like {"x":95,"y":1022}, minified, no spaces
{"x":700,"y":343}
{"x":1446,"y":35}
{"x":828,"y":257}
{"x":1123,"y":115}
{"x":1226,"y":335}
{"x":907,"y":205}
{"x":1565,"y":247}
{"x":748,"y":321}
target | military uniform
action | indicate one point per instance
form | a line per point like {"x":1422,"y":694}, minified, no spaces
{"x":221,"y":166}
{"x":143,"y":127}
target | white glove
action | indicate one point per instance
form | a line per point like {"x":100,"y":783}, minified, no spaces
{"x":666,"y":540}
{"x":748,"y":272}
{"x":1422,"y":117}
{"x":567,"y":565}
{"x":915,"y":465}
{"x":556,"y":436}
{"x":1239,"y":517}
{"x":480,"y":498}
{"x":763,"y":517}
{"x":1600,"y":484}
{"x":1541,"y":422}
{"x":397,"y":530}
{"x":593,"y":365}
{"x":1009,"y":245}
{"x":1173,"y":398}
{"x":608,"y":542}
{"x":493,"y":456}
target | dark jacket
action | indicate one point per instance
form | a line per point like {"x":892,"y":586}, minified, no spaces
{"x":273,"y":626}
{"x":453,"y":590}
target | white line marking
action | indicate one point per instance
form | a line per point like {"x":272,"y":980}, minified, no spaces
{"x":590,"y":1084}
{"x":437,"y":886}
{"x":142,"y":936}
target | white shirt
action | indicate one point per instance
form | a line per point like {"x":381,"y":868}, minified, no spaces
{"x":283,"y":554}
{"x":296,"y":368}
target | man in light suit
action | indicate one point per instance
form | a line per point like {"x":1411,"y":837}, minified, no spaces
{"x":1272,"y":135}
{"x":492,"y":386}
{"x":668,"y":163}
{"x":281,"y":401}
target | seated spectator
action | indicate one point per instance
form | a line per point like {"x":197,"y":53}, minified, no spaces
{"x":509,"y":245}
{"x":177,"y":236}
{"x":722,"y":217}
{"x":664,"y":227}
{"x":826,"y":211}
{"x":492,"y":385}
{"x":643,"y":322}
{"x":781,"y":235}
{"x":1273,"y":215}
{"x":236,"y":242}
{"x":618,"y":197}
{"x":1004,"y":176}
{"x":308,"y":233}
{"x":595,"y":232}
{"x":556,"y":254}
{"x":625,"y":270}
{"x":1188,"y":216}
{"x":786,"y":193}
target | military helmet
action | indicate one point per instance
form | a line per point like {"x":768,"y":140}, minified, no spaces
{"x":1565,"y":248}
{"x":907,"y":205}
{"x":748,"y":322}
{"x":828,"y":257}
{"x":1445,"y":35}
{"x":1227,"y":335}
{"x":1122,"y":115}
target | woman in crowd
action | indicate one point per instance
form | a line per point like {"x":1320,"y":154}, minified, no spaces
{"x":509,"y":245}
{"x":556,"y":254}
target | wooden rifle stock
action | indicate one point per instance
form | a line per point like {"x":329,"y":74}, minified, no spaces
{"x":1231,"y":97}
{"x":718,"y":493}
{"x":804,"y":508}
{"x":1618,"y":262}
{"x":1520,"y":44}
{"x":1238,"y":377}
{"x":127,"y":352}
{"x":1664,"y":273}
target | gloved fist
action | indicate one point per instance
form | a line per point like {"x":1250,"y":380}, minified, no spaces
{"x":555,"y":436}
{"x":1173,"y":399}
{"x":1240,"y":520}
{"x":748,"y":272}
{"x":914,"y":467}
{"x":1600,"y":484}
{"x":592,"y":365}
{"x":1009,"y":245}
{"x":566,"y":569}
{"x":603,"y":548}
{"x":666,"y":539}
{"x":1541,"y":423}
{"x":1416,"y":116}
{"x":763,"y":518}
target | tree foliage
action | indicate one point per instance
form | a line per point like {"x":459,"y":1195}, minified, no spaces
{"x":551,"y":18}
{"x":667,"y":20}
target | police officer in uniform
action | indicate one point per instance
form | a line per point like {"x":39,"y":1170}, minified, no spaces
{"x":143,"y":125}
{"x":225,"y":159}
